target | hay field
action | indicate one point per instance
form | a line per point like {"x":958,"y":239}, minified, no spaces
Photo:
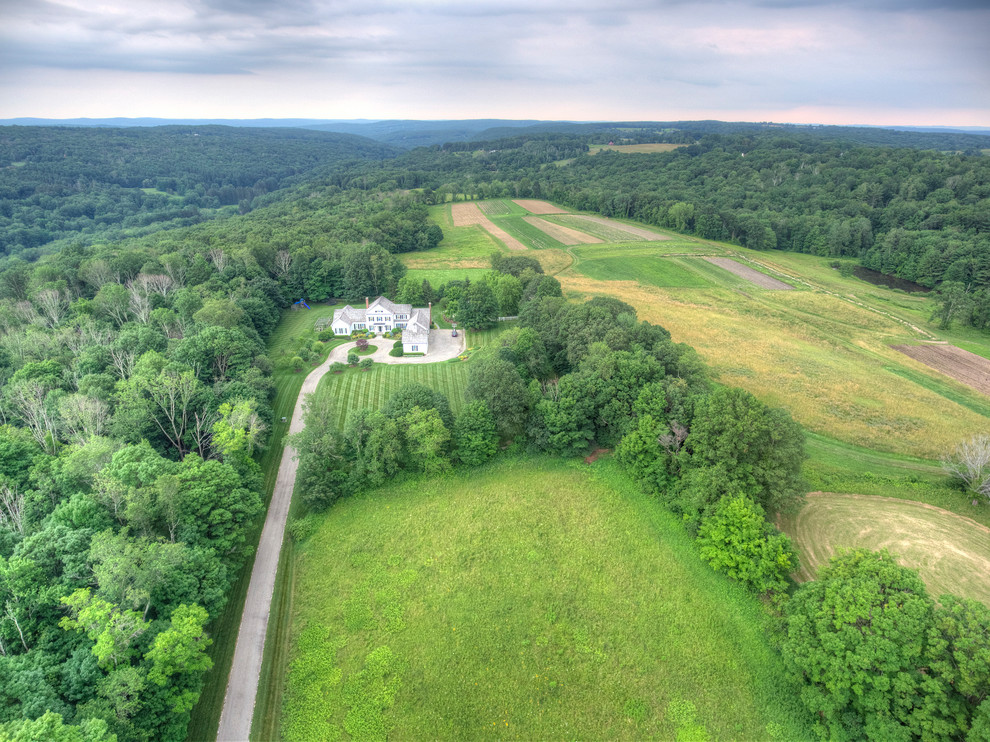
{"x":951,"y":553}
{"x":821,"y":358}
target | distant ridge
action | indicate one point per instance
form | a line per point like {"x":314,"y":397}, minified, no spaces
{"x":407,"y":134}
{"x":123,"y":122}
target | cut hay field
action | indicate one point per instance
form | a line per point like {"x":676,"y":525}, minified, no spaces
{"x":951,"y":553}
{"x":530,"y":599}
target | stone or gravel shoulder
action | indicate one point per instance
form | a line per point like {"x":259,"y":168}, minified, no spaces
{"x":245,"y":670}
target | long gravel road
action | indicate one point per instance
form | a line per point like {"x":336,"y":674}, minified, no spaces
{"x":245,"y":670}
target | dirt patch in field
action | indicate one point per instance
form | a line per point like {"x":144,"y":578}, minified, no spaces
{"x":753,"y":276}
{"x":534,"y":206}
{"x":950,"y":552}
{"x":563,"y":235}
{"x":596,"y":454}
{"x":466,"y":214}
{"x":969,"y":368}
{"x":638,"y":233}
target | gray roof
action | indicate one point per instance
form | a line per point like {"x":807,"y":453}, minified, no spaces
{"x":349,"y":314}
{"x":418,"y":329}
{"x":390,"y":306}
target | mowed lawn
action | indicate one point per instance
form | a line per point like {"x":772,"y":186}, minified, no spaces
{"x":356,"y":389}
{"x":530,"y":599}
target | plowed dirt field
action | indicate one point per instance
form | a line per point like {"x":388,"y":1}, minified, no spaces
{"x":563,"y":235}
{"x":534,"y":206}
{"x":753,"y":276}
{"x":969,"y":368}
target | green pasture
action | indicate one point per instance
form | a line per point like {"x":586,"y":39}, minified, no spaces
{"x":532,"y":599}
{"x":526,"y":233}
{"x":439,"y":276}
{"x":648,"y":269}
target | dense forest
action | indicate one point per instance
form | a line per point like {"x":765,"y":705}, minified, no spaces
{"x":135,"y":396}
{"x":106,"y":184}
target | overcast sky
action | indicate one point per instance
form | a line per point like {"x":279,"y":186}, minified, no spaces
{"x":811,"y":61}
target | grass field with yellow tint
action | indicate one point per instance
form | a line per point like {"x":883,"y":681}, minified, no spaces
{"x":951,"y":553}
{"x":825,"y":359}
{"x":530,"y":599}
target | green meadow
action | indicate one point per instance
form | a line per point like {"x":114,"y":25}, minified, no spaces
{"x":532,"y":599}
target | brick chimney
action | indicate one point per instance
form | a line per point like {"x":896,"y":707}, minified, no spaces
{"x":429,"y":315}
{"x":366,"y":302}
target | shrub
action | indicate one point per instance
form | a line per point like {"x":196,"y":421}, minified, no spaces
{"x":362,"y":344}
{"x":338,"y":367}
{"x":352,"y":358}
{"x":317,"y":348}
{"x":325,"y":335}
{"x":297,"y":363}
{"x":396,"y":352}
{"x":737,"y":540}
{"x":366,"y":363}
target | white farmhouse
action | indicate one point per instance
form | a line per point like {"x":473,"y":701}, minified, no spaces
{"x":383,"y":315}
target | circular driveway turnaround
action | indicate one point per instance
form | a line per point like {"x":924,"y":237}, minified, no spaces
{"x":245,"y":669}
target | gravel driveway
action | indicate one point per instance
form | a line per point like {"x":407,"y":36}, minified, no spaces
{"x":245,"y":670}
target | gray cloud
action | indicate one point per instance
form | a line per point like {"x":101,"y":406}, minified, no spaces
{"x":528,"y":55}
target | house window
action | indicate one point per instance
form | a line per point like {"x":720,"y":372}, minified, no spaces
{"x":359,"y":326}
{"x":340,"y":330}
{"x":414,"y":348}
